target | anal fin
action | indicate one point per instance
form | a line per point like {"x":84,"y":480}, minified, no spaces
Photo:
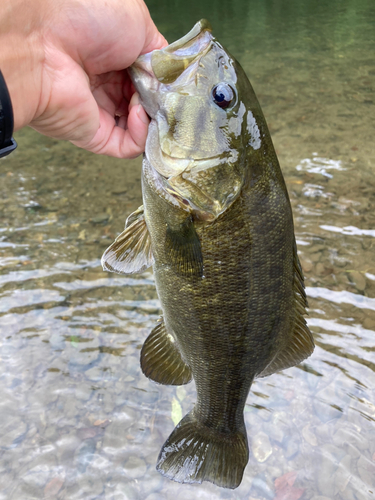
{"x":161,"y":360}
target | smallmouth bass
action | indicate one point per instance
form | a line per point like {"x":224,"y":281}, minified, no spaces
{"x":216,"y":225}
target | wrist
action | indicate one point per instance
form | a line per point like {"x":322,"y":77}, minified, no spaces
{"x":21,"y":57}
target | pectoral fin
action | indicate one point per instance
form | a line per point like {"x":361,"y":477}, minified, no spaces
{"x":183,"y":247}
{"x":300,"y":343}
{"x":131,"y":251}
{"x":161,"y":360}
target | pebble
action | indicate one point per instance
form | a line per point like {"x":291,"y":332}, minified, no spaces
{"x":53,"y":487}
{"x":292,"y":447}
{"x":261,"y":447}
{"x":320,"y":269}
{"x":350,"y":435}
{"x":309,"y":436}
{"x":12,"y":433}
{"x":153,"y":496}
{"x":135,"y":467}
{"x":274,"y":432}
{"x":366,"y":471}
{"x":323,"y":404}
{"x":122,"y":491}
{"x":358,"y":280}
{"x":89,"y":487}
{"x":315,"y":257}
{"x":343,"y":474}
{"x":306,"y":265}
{"x":84,"y":454}
{"x":100,"y":219}
{"x":82,"y":353}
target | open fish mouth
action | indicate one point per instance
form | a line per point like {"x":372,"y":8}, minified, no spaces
{"x":151,"y":71}
{"x":166,"y":65}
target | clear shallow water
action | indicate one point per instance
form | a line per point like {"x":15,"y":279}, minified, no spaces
{"x":78,"y":419}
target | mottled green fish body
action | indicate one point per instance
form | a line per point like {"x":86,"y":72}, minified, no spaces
{"x":216,"y":224}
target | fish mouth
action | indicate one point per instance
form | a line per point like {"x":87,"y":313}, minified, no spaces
{"x":163,"y":67}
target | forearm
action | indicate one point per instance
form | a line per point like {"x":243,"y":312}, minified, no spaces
{"x":21,"y":56}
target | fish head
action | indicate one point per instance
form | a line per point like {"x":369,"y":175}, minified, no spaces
{"x":202,"y":126}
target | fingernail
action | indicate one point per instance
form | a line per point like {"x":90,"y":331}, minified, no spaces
{"x":142,"y":115}
{"x":134,"y":100}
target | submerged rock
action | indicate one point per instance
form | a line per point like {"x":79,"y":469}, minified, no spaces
{"x":261,"y":447}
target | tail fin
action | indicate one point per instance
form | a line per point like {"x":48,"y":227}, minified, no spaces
{"x":194,"y":453}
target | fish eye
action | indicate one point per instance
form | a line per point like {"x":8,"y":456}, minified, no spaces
{"x":223,"y":95}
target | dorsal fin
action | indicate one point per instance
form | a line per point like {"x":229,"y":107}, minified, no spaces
{"x":161,"y":360}
{"x":300,"y":343}
{"x":131,"y":251}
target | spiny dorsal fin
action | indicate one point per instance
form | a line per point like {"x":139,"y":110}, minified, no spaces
{"x":184,"y":249}
{"x":161,"y":360}
{"x":300,"y":343}
{"x":131,"y":251}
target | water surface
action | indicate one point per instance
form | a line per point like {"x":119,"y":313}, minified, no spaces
{"x":78,"y":419}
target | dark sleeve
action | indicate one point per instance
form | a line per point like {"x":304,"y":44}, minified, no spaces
{"x":7,"y":143}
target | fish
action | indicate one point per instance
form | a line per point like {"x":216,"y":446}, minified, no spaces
{"x":216,"y":224}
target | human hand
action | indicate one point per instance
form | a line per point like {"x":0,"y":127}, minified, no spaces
{"x":67,"y":78}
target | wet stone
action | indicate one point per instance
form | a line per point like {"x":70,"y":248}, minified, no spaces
{"x":13,"y":433}
{"x":369,"y":324}
{"x":83,"y":392}
{"x":347,"y":494}
{"x":358,"y":280}
{"x":116,"y":433}
{"x":315,"y":257}
{"x":307,"y":266}
{"x":324,"y":406}
{"x":260,"y":488}
{"x":366,"y":471}
{"x":320,"y":269}
{"x":100,"y":219}
{"x":317,"y":248}
{"x":274,"y":432}
{"x":95,"y":374}
{"x":351,"y":436}
{"x":330,"y":458}
{"x":84,"y":454}
{"x":291,"y":447}
{"x":82,"y":353}
{"x":153,"y":496}
{"x":341,"y":261}
{"x":343,"y":474}
{"x":89,"y":487}
{"x":261,"y":447}
{"x":309,"y":435}
{"x":135,"y":467}
{"x":121,"y":491}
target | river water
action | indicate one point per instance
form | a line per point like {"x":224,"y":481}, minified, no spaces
{"x":78,"y":418}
